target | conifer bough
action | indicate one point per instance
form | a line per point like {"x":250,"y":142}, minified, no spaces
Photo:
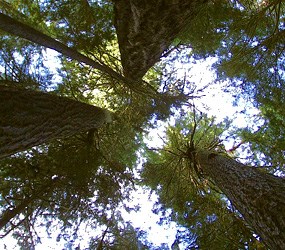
{"x":29,"y":118}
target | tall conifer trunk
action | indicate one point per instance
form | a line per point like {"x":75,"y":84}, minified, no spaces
{"x":29,"y":118}
{"x":258,"y":196}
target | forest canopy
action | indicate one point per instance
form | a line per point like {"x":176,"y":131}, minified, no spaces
{"x":83,"y":84}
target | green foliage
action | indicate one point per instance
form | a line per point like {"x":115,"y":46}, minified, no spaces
{"x":90,"y":183}
{"x":267,"y":142}
{"x":207,"y":219}
{"x":91,"y":34}
{"x":85,"y":179}
{"x":122,"y":237}
{"x":20,"y":62}
{"x":247,"y":38}
{"x":65,"y":21}
{"x":84,"y":32}
{"x":205,"y":33}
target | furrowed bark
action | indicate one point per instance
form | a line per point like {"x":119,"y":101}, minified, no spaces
{"x":29,"y":118}
{"x":258,"y":196}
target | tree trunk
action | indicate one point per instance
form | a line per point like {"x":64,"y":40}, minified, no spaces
{"x":258,"y":196}
{"x":29,"y":118}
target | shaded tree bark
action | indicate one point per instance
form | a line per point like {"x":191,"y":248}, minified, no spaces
{"x":29,"y":118}
{"x":258,"y":196}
